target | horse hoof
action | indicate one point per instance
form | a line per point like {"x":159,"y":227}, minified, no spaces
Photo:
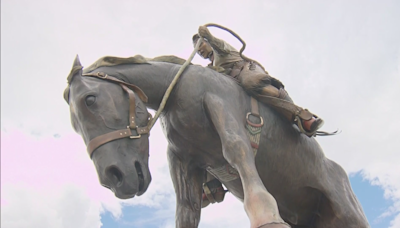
{"x":275,"y":225}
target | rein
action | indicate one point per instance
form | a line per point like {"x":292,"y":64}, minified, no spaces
{"x":174,"y":81}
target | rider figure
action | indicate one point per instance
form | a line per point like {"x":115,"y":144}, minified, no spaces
{"x":255,"y":80}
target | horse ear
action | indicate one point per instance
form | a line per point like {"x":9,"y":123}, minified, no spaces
{"x":76,"y":67}
{"x":77,"y":62}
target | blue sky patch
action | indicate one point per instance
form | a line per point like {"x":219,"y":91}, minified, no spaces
{"x":372,"y":200}
{"x":137,"y":216}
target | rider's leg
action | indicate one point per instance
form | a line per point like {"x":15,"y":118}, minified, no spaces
{"x":310,"y":125}
{"x":270,"y":90}
{"x":259,"y":83}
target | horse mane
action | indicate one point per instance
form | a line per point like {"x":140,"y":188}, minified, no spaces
{"x":137,"y":59}
{"x":113,"y":61}
{"x":169,"y":59}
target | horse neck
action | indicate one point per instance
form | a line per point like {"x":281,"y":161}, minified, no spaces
{"x":153,"y":79}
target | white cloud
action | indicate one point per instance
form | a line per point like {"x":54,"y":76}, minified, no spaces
{"x":58,"y":207}
{"x":229,"y":213}
{"x":340,"y":59}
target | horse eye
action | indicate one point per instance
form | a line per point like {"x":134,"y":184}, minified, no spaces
{"x":90,"y":100}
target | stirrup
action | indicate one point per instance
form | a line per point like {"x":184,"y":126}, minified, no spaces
{"x":213,"y":195}
{"x":208,"y":193}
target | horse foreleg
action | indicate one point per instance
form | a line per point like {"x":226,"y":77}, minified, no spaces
{"x":259,"y":204}
{"x":187,"y":180}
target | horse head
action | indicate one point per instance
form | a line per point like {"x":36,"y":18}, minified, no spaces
{"x":110,"y":118}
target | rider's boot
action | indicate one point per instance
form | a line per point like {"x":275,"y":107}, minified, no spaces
{"x":213,"y":192}
{"x":313,"y":124}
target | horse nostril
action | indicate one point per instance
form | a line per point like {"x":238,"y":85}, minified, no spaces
{"x":139,"y":172}
{"x":115,"y":175}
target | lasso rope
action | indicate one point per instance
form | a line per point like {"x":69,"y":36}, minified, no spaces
{"x":171,"y":86}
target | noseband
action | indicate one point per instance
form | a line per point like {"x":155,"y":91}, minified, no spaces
{"x":123,"y":133}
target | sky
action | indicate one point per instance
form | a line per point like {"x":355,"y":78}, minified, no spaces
{"x":340,"y":59}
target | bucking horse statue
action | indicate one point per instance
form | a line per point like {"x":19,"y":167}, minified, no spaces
{"x":288,"y":183}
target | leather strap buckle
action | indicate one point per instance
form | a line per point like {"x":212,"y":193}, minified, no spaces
{"x":135,"y":136}
{"x":254,"y":124}
{"x":102,"y":75}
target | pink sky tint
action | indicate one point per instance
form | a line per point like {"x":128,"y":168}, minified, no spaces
{"x":49,"y":164}
{"x":3,"y":202}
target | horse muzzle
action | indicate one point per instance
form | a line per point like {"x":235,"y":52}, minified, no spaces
{"x":123,"y":171}
{"x":125,"y":185}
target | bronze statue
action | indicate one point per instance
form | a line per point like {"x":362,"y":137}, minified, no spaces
{"x":288,"y":183}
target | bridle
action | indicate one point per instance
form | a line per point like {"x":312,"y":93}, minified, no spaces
{"x":129,"y":130}
{"x":131,"y":89}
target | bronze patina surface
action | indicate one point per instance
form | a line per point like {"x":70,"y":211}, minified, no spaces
{"x":289,"y":180}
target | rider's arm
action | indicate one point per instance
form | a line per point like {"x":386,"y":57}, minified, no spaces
{"x":218,"y":45}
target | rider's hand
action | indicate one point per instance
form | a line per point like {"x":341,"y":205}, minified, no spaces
{"x":204,"y":32}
